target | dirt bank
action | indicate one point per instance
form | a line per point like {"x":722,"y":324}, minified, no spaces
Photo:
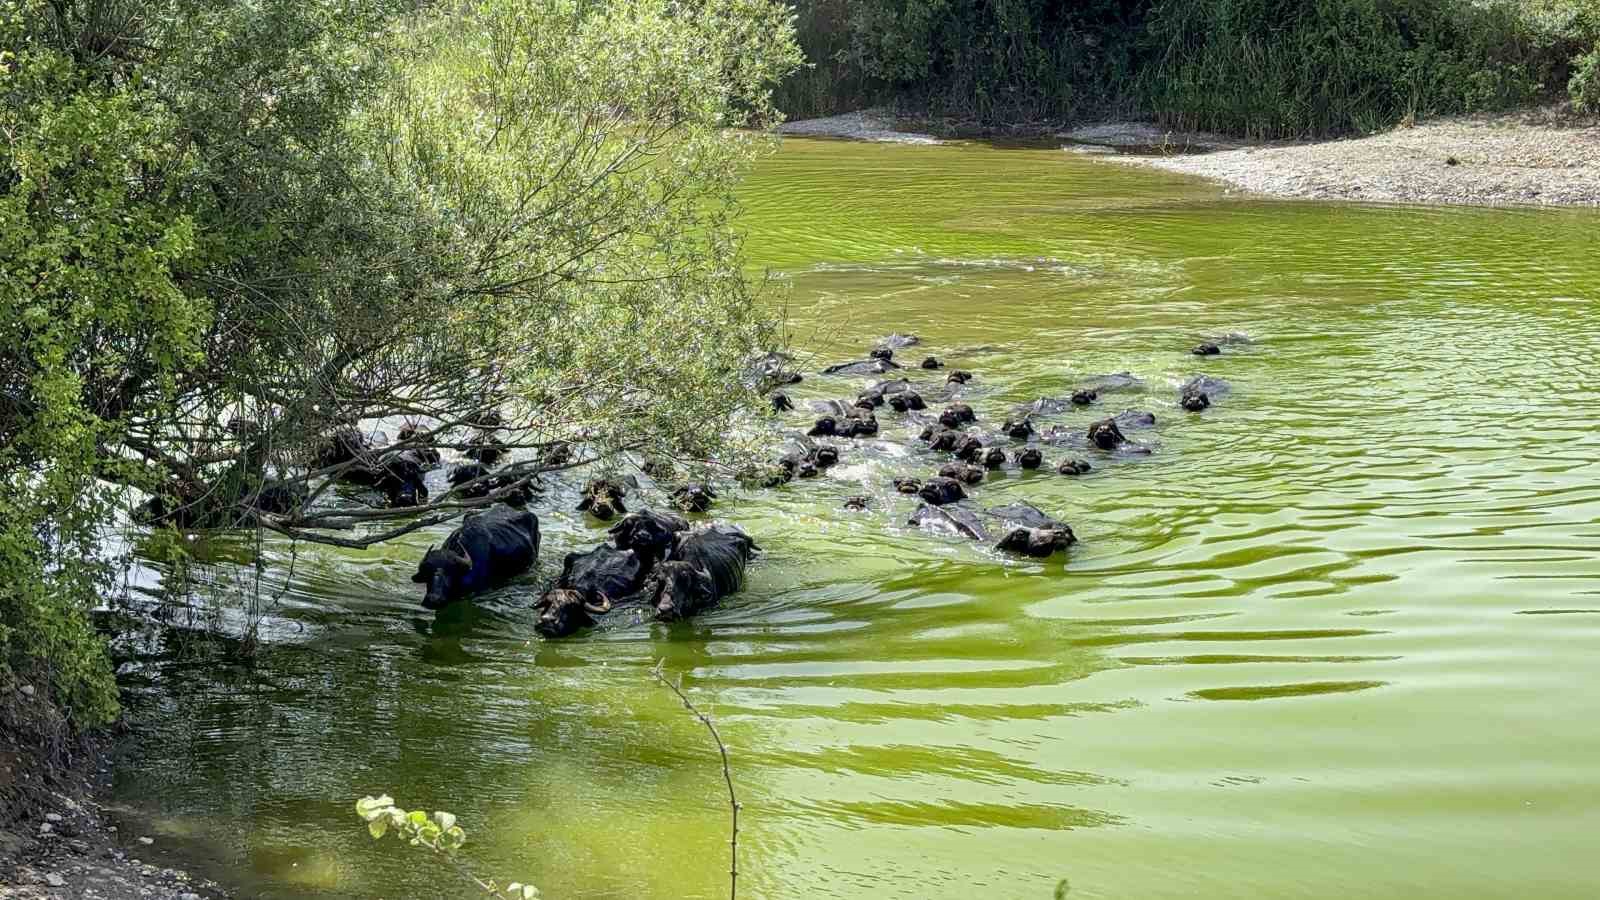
{"x":56,"y":840}
{"x":861,"y":125}
{"x":1529,"y":157}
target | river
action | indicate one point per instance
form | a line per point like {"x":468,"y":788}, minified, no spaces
{"x":1339,"y":635}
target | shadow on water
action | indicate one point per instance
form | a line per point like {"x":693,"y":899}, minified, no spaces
{"x":1383,"y":537}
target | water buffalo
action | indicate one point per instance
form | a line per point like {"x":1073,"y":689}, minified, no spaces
{"x":862,"y":367}
{"x":278,"y":497}
{"x":959,"y":376}
{"x":485,"y":448}
{"x":1020,"y":430}
{"x":489,"y":548}
{"x":648,"y":533}
{"x":857,"y":504}
{"x":345,"y":445}
{"x":703,"y":567}
{"x":884,"y":353}
{"x":1029,"y":458}
{"x":1106,"y":435}
{"x":421,"y":444}
{"x":825,"y":456}
{"x":589,"y":584}
{"x":968,"y":448}
{"x":994,"y":458}
{"x":941,"y":490}
{"x":769,"y":370}
{"x":862,"y":424}
{"x":781,"y":402}
{"x":1206,"y":384}
{"x":555,"y":455}
{"x":1044,"y":406}
{"x":957,"y":414}
{"x":1119,"y":381}
{"x":932,"y":362}
{"x":1135,"y":418}
{"x":658,"y":468}
{"x":950,"y":519}
{"x":1025,"y":514}
{"x":898,"y":341}
{"x":1206,"y":349}
{"x":1194,"y":401}
{"x":963,"y":472}
{"x":908,"y":485}
{"x":907,"y":400}
{"x":602,"y":498}
{"x":1084,"y":398}
{"x":468,"y":480}
{"x":1074,"y":467}
{"x":400,"y":478}
{"x":695,"y":497}
{"x":1037,"y":542}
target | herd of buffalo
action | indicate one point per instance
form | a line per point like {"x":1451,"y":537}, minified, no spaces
{"x":660,"y":561}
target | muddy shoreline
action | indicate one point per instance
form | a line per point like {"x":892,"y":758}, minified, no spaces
{"x":1541,"y":157}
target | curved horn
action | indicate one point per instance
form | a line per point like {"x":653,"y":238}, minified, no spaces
{"x":601,"y":608}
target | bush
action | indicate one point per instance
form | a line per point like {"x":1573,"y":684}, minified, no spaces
{"x":1584,"y":88}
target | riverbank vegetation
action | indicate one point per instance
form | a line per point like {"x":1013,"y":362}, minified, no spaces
{"x":1259,"y":68}
{"x":229,"y":230}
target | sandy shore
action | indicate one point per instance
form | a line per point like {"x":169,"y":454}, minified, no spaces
{"x":861,"y":125}
{"x":1530,"y":157}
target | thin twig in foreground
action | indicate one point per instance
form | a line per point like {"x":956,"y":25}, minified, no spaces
{"x":727,"y":775}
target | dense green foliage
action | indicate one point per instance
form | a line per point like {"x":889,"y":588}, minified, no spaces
{"x":228,"y":228}
{"x":1260,"y":67}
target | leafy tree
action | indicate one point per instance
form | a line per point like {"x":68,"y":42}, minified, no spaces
{"x":228,"y":229}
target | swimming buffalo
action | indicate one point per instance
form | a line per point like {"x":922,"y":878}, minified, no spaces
{"x":602,"y":498}
{"x":857,"y":503}
{"x":1084,"y":398}
{"x":1074,"y":467}
{"x":469,"y":481}
{"x":963,"y":472}
{"x":703,"y":567}
{"x":957,"y":414}
{"x":658,"y":468}
{"x":1029,"y":458}
{"x":1037,"y":542}
{"x":862,"y":367}
{"x":968,"y":447}
{"x":485,"y":448}
{"x":906,"y":400}
{"x":994,"y":458}
{"x":781,"y":402}
{"x":489,"y":548}
{"x":1021,"y":429}
{"x":695,"y":497}
{"x":932,"y":362}
{"x":959,"y":376}
{"x":907,"y":485}
{"x":1106,"y":435}
{"x":884,"y":353}
{"x":1206,"y":349}
{"x":421,"y":444}
{"x":589,"y":584}
{"x":648,"y":533}
{"x":1194,"y":401}
{"x":941,"y":490}
{"x":898,"y":341}
{"x":950,"y":519}
{"x":345,"y":445}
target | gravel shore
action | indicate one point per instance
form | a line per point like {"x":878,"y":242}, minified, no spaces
{"x":862,"y":125}
{"x":1530,"y":157}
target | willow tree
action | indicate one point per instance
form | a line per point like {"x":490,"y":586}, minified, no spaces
{"x":228,"y":229}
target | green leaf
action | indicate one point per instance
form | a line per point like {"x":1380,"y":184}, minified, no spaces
{"x":446,"y":820}
{"x":377,"y":828}
{"x":417,"y":818}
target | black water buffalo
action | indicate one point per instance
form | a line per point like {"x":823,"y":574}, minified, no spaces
{"x":1135,"y":418}
{"x":1206,"y":383}
{"x":959,"y":376}
{"x":1084,"y":398}
{"x":1037,"y":542}
{"x":908,"y":485}
{"x":589,"y":584}
{"x":857,"y":504}
{"x":1206,"y":349}
{"x":695,"y":497}
{"x":485,"y":448}
{"x":556,"y":454}
{"x":867,"y":401}
{"x":1025,"y":514}
{"x":1194,"y":401}
{"x":781,"y":402}
{"x":658,"y":468}
{"x":703,"y":567}
{"x":1020,"y":430}
{"x":994,"y":458}
{"x":825,"y":456}
{"x":648,"y":533}
{"x":1029,"y":458}
{"x":951,"y":519}
{"x":963,"y":472}
{"x":469,"y":481}
{"x":1118,"y":381}
{"x":907,"y":400}
{"x":932,"y":362}
{"x":956,"y":415}
{"x":884,"y":353}
{"x":968,"y":448}
{"x":862,"y":424}
{"x":489,"y":548}
{"x":421,"y":444}
{"x":1074,"y":466}
{"x":602,"y":498}
{"x":400,"y":477}
{"x":1106,"y":435}
{"x":770,"y":369}
{"x":278,"y":497}
{"x":898,"y":341}
{"x":344,"y":445}
{"x":862,"y":367}
{"x":941,"y":438}
{"x":941,"y":490}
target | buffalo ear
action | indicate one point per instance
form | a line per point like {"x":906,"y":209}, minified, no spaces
{"x":421,"y":577}
{"x":585,"y":503}
{"x":704,"y":580}
{"x":616,"y":501}
{"x":461,"y":559}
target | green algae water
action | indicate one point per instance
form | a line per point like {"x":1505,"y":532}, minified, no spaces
{"x":1337,"y":636}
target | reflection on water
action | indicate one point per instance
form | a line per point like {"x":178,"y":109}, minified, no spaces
{"x":1384,"y":539}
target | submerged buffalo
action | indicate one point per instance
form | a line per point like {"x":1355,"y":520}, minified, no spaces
{"x":932,"y":362}
{"x":1194,"y":401}
{"x":969,"y":448}
{"x":898,"y":341}
{"x":489,"y":548}
{"x":1106,"y":435}
{"x":949,"y":519}
{"x":648,"y":533}
{"x":994,"y":458}
{"x":696,"y":497}
{"x":962,"y":472}
{"x":857,"y":503}
{"x":589,"y":584}
{"x":862,"y":367}
{"x":941,"y":490}
{"x":1206,"y":349}
{"x":704,"y":567}
{"x":486,"y":448}
{"x":1020,"y":430}
{"x":1029,"y":458}
{"x":956,"y":415}
{"x":907,"y":400}
{"x":421,"y":444}
{"x":959,"y":376}
{"x":602,"y":498}
{"x":781,"y":402}
{"x":470,"y":480}
{"x":907,"y":485}
{"x":1074,"y":467}
{"x":1037,"y":542}
{"x":1084,"y":398}
{"x":884,"y":353}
